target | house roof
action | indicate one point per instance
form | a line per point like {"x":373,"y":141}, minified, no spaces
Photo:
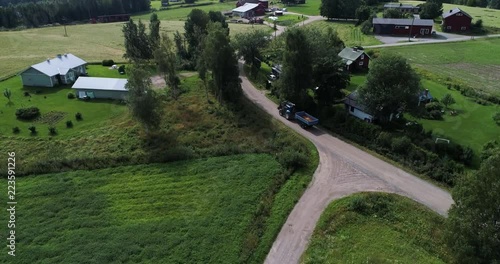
{"x":59,"y":65}
{"x":95,"y":83}
{"x":403,"y":21}
{"x":453,"y":12}
{"x":350,"y":54}
{"x":353,"y":100}
{"x":398,"y":5}
{"x":245,"y":8}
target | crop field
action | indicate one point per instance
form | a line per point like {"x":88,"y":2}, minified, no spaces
{"x":377,"y":228}
{"x":192,"y":211}
{"x":91,"y":42}
{"x":350,"y":34}
{"x":490,"y":17}
{"x":474,"y":63}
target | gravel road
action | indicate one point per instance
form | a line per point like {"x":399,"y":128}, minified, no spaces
{"x":343,"y":170}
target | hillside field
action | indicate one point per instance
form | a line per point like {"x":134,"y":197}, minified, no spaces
{"x":377,"y":228}
{"x":348,"y":32}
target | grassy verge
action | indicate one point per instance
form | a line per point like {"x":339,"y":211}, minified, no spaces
{"x":348,"y":32}
{"x":287,"y":20}
{"x":378,"y":228}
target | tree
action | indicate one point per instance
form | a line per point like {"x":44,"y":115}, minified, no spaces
{"x":145,"y":48}
{"x":363,"y":13}
{"x":473,"y":224}
{"x":391,"y":86}
{"x":7,"y":93}
{"x":339,"y":8}
{"x":137,"y":42}
{"x":297,"y":67}
{"x":218,"y":56}
{"x":249,"y":46}
{"x":392,"y":13}
{"x":143,"y":102}
{"x":195,"y":25}
{"x":215,"y":16}
{"x":431,"y":9}
{"x":165,"y":60}
{"x":154,"y":31}
{"x":447,"y":100}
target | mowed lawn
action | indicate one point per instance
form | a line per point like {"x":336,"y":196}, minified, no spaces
{"x":348,"y":32}
{"x":91,"y":42}
{"x":475,"y":63}
{"x":183,"y":212}
{"x":377,"y":228}
{"x":311,"y":8}
{"x":287,"y":20}
{"x":176,"y":12}
{"x":490,"y":17}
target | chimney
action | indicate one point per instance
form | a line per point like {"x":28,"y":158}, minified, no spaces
{"x":66,"y":55}
{"x":48,"y":60}
{"x":59,"y":55}
{"x":426,"y":92}
{"x":354,"y":48}
{"x":451,"y":10}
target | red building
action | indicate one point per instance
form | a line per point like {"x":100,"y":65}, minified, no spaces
{"x":456,"y":20}
{"x":355,"y":59}
{"x":402,"y":26}
{"x":113,"y":18}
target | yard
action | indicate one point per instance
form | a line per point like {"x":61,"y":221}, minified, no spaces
{"x":377,"y":228}
{"x":311,"y":8}
{"x":348,"y":32}
{"x":287,"y":20}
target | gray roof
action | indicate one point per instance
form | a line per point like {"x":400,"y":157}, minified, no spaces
{"x":403,"y":21}
{"x":95,"y":83}
{"x":453,"y":12}
{"x":353,"y":100}
{"x":59,"y":65}
{"x":350,"y":54}
{"x":245,"y":8}
{"x":398,"y":5}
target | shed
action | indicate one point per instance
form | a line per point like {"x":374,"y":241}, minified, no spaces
{"x":105,"y":88}
{"x":63,"y":69}
{"x":456,"y":20}
{"x":402,"y":26}
{"x":356,"y":108}
{"x":355,"y":58}
{"x":246,"y":10}
{"x":404,"y":8}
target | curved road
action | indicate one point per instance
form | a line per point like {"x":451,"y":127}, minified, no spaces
{"x":343,"y":170}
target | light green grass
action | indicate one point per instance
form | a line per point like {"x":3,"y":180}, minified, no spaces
{"x":180,"y":13}
{"x":474,"y":63}
{"x":390,"y":229}
{"x":311,"y":8}
{"x":490,"y":17}
{"x":193,"y":211}
{"x":351,"y":35}
{"x":287,"y":20}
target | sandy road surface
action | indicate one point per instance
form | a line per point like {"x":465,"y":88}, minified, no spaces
{"x":343,"y":170}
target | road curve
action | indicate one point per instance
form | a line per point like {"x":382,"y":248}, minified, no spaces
{"x":343,"y":170}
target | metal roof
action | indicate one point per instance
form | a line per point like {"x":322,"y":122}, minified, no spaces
{"x":403,"y":21}
{"x":453,"y":12}
{"x":350,"y":54}
{"x":352,"y":100}
{"x":398,"y":5}
{"x":95,"y":83}
{"x":245,"y":8}
{"x":59,"y":65}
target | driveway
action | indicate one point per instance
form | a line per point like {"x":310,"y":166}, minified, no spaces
{"x":343,"y":170}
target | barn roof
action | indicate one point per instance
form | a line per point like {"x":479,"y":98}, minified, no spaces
{"x":59,"y":65}
{"x":403,"y":21}
{"x":95,"y":83}
{"x":245,"y":8}
{"x":454,"y":11}
{"x":351,"y":54}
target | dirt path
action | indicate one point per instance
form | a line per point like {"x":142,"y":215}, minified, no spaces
{"x":343,"y":170}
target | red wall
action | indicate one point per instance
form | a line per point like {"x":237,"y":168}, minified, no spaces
{"x":457,"y":22}
{"x":415,"y":30}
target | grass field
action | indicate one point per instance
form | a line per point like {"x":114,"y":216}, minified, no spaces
{"x":311,"y":8}
{"x":193,"y":211}
{"x":474,"y":63}
{"x":490,"y":17}
{"x":180,"y":13}
{"x":287,"y":20}
{"x":351,"y":35}
{"x":377,"y":228}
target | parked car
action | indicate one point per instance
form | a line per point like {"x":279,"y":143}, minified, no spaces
{"x":256,"y":20}
{"x":272,"y":77}
{"x":278,"y":13}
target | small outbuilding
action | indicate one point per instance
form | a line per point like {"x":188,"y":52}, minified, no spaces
{"x":246,"y":10}
{"x":63,"y":69}
{"x":104,"y":88}
{"x":356,"y":108}
{"x":404,"y":8}
{"x":402,"y":26}
{"x":456,"y":20}
{"x":355,"y":58}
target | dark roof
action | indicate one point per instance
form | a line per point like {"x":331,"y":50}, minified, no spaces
{"x":403,"y":21}
{"x":453,"y":12}
{"x":353,"y":100}
{"x":350,"y":54}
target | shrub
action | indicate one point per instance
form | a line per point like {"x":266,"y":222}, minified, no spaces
{"x":78,"y":116}
{"x":433,"y":106}
{"x":121,"y":69}
{"x":496,"y":118}
{"x":32,"y":129}
{"x":27,"y":113}
{"x":384,"y":139}
{"x":401,"y":144}
{"x":69,"y":124}
{"x":71,"y":95}
{"x":27,"y":94}
{"x":292,"y":159}
{"x":52,"y":131}
{"x":435,"y":114}
{"x":107,"y":62}
{"x":366,"y":27}
{"x":16,"y":130}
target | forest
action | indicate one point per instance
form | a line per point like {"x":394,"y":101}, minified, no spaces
{"x":32,"y":13}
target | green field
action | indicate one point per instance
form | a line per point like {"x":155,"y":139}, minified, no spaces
{"x":474,"y":63}
{"x":311,"y":8}
{"x":377,"y":228}
{"x":192,"y":211}
{"x":350,"y":34}
{"x":180,"y":13}
{"x":287,"y":20}
{"x":490,"y":17}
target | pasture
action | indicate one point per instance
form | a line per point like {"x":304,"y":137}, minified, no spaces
{"x":377,"y":228}
{"x":348,"y":32}
{"x":176,"y":12}
{"x":311,"y":8}
{"x":474,"y":63}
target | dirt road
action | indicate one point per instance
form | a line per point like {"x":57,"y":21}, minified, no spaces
{"x":343,"y":170}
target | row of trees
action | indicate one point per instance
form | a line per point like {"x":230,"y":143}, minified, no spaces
{"x":34,"y":14}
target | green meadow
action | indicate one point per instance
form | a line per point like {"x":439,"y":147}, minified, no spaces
{"x":348,"y":32}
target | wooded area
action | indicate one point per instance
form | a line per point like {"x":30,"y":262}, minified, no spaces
{"x":31,"y":13}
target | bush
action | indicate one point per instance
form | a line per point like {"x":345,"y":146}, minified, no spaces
{"x":400,"y":145}
{"x":496,"y":118}
{"x":107,"y":62}
{"x":78,"y":116}
{"x":27,"y":113}
{"x":384,"y":139}
{"x":27,"y":94}
{"x":435,"y":114}
{"x":367,"y":27}
{"x":52,"y":131}
{"x":69,"y":124}
{"x":121,"y":69}
{"x":32,"y":129}
{"x":433,"y":106}
{"x":16,"y":130}
{"x":292,"y":160}
{"x":71,"y":95}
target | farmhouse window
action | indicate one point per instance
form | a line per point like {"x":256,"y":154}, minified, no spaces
{"x":362,"y":56}
{"x":459,"y":14}
{"x":407,"y":27}
{"x":448,"y":27}
{"x":360,"y":63}
{"x":463,"y":28}
{"x":396,"y":27}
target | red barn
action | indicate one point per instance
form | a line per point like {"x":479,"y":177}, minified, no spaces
{"x":355,"y":59}
{"x":456,"y":20}
{"x":402,"y":26}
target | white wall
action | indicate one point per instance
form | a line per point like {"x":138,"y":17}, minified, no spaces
{"x":360,"y":114}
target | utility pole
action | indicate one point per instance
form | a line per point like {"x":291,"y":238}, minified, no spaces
{"x":411,"y":27}
{"x":64,"y":23}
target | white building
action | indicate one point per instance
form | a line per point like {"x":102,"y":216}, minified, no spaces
{"x":105,"y":88}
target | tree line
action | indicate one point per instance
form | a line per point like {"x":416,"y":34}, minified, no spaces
{"x":35,"y":14}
